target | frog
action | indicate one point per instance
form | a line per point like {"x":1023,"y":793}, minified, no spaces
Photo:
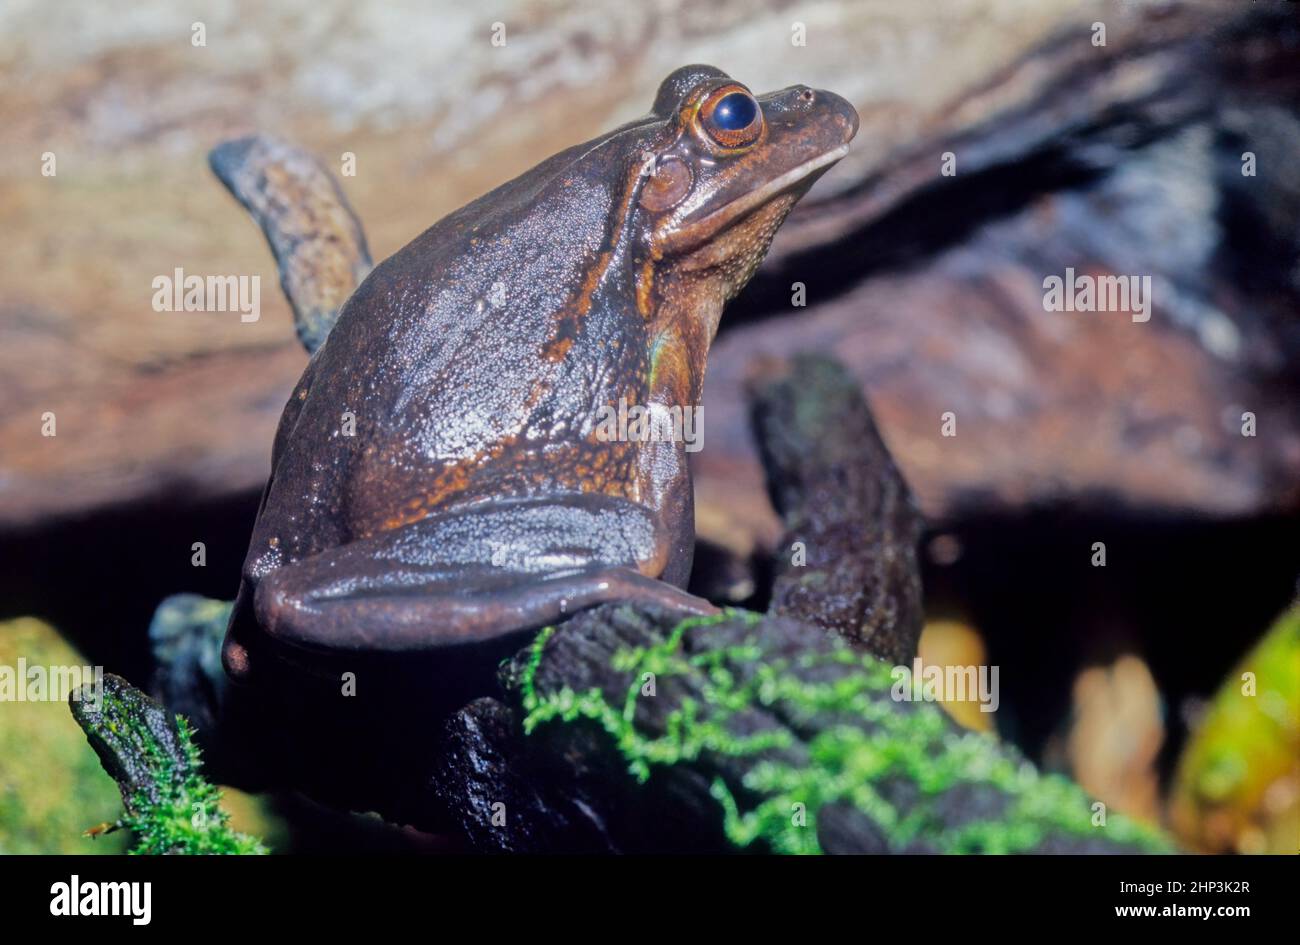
{"x":439,"y":480}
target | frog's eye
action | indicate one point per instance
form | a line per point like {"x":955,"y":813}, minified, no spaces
{"x":732,"y":117}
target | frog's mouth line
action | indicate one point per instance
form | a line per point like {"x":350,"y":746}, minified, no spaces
{"x":699,"y":230}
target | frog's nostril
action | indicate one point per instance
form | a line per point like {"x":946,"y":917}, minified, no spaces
{"x":808,"y":95}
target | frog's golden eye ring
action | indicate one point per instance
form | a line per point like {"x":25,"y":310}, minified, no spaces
{"x":732,"y":117}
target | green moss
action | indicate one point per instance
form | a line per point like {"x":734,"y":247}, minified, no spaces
{"x":688,"y":732}
{"x":854,"y":763}
{"x":184,"y":814}
{"x":169,"y":806}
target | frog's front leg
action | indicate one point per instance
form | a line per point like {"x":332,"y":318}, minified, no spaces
{"x":465,"y":576}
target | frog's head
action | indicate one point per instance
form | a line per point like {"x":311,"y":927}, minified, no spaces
{"x":724,"y":167}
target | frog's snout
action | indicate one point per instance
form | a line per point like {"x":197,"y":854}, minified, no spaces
{"x":842,"y":113}
{"x":848,"y":114}
{"x":809,"y":122}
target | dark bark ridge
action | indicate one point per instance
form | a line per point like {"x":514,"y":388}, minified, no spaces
{"x":845,"y":506}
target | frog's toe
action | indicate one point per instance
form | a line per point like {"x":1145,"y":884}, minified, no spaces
{"x":234,"y":660}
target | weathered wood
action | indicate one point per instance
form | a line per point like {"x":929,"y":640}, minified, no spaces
{"x":903,"y":268}
{"x":634,"y":730}
{"x":1121,"y":160}
{"x":748,"y":717}
{"x":314,"y":234}
{"x":848,"y":559}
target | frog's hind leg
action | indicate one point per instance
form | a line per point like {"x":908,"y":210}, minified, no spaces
{"x":471,"y":576}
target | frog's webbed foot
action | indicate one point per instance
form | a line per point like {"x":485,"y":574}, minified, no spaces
{"x":465,"y":577}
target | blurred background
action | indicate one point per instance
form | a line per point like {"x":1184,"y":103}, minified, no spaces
{"x":1123,"y":157}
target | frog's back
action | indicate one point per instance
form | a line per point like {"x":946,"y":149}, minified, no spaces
{"x":486,"y":340}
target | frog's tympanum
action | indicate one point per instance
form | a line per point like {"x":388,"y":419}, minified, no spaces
{"x":437,"y":478}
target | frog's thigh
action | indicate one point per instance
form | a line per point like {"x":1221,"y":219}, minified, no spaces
{"x":469,"y":576}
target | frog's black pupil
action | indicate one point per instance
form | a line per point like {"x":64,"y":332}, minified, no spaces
{"x":735,"y":111}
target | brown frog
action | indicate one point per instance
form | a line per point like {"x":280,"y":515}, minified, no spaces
{"x":438,"y":478}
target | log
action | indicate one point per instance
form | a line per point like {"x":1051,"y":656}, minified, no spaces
{"x":848,"y":560}
{"x":753,"y":733}
{"x":636,"y":729}
{"x":149,"y":751}
{"x":315,"y":236}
